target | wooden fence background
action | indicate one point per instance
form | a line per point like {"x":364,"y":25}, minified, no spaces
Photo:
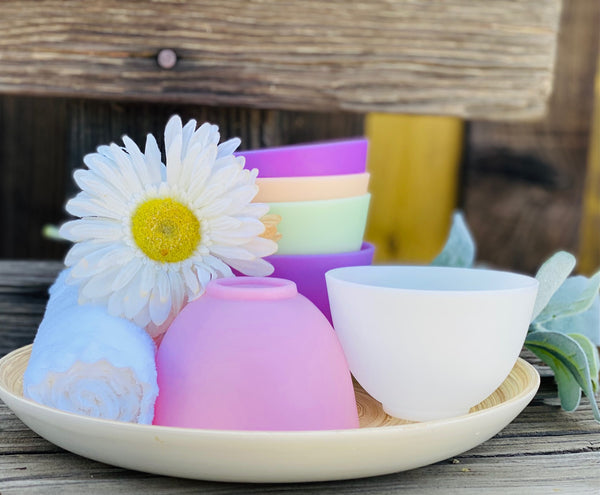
{"x":521,"y":183}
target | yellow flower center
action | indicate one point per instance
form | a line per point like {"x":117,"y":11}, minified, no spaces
{"x":165,"y":230}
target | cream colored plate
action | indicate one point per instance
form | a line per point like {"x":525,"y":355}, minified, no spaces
{"x":381,"y":445}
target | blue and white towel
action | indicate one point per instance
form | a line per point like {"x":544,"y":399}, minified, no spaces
{"x":87,"y":362}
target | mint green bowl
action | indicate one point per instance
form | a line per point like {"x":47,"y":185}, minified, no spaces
{"x":322,"y":227}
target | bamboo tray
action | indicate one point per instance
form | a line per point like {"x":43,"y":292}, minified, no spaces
{"x":381,"y":445}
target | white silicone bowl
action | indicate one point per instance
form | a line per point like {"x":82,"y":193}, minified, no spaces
{"x":430,"y":342}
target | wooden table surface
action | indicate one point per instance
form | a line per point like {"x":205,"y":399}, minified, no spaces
{"x":544,"y":450}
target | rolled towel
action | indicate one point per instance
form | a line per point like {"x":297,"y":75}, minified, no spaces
{"x":87,"y":362}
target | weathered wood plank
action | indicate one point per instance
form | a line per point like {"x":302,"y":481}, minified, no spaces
{"x":23,"y":296}
{"x":524,"y":182}
{"x":569,"y":471}
{"x":32,"y":159}
{"x":492,"y":60}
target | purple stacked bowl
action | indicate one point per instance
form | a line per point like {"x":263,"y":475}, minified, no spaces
{"x":326,"y":158}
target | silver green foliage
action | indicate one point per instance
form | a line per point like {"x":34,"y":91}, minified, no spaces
{"x":565,"y":328}
{"x":459,"y":250}
{"x":551,"y":276}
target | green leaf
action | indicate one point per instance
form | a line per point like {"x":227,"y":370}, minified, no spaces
{"x":572,"y":357}
{"x":569,"y":391}
{"x":574,"y":296}
{"x":551,"y":276}
{"x":591,"y":352}
{"x":586,"y":323}
{"x":459,"y":250}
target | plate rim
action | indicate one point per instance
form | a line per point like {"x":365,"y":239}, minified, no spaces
{"x":269,"y":456}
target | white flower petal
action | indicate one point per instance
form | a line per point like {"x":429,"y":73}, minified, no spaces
{"x":261,"y":247}
{"x":231,"y":252}
{"x":254,"y":268}
{"x":215,"y":264}
{"x":115,"y":302}
{"x":162,"y":282}
{"x":81,"y":250}
{"x":204,"y":277}
{"x":131,"y":180}
{"x":111,"y":171}
{"x":94,"y":185}
{"x":91,"y":228}
{"x":177,"y":290}
{"x":218,"y":206}
{"x":256,"y":210}
{"x":196,"y":166}
{"x":229,"y":146}
{"x":159,"y":310}
{"x":192,"y":283}
{"x":173,"y":145}
{"x":156,"y":168}
{"x":84,"y":205}
{"x":138,"y":161}
{"x":148,"y":279}
{"x":215,"y":187}
{"x":99,"y":285}
{"x":126,"y":274}
{"x":205,"y":135}
{"x":186,"y":134}
{"x":142,"y":319}
{"x":200,"y":176}
{"x":102,"y":166}
{"x":228,"y":161}
{"x":88,"y":265}
{"x":240,"y":197}
{"x":135,"y":299}
{"x":225,"y":223}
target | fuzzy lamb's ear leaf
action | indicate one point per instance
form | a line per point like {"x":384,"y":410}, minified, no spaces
{"x":591,"y":352}
{"x":551,"y":276}
{"x":569,"y":391}
{"x":459,"y":250}
{"x":552,"y":347}
{"x":586,"y":323}
{"x":574,"y":296}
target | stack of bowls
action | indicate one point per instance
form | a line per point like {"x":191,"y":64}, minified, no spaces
{"x":320,"y":191}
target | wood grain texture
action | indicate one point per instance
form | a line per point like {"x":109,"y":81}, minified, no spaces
{"x":523,"y":184}
{"x":491,"y":60}
{"x":33,"y":138}
{"x":544,"y":450}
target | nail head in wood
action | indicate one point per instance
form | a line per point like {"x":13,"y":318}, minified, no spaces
{"x":166,"y":58}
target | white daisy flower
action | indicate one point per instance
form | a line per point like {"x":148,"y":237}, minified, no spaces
{"x":149,"y":237}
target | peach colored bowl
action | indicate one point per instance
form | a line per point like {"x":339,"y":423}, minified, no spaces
{"x":314,"y":188}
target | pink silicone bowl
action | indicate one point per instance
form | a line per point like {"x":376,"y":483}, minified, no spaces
{"x":253,"y":354}
{"x":326,"y":158}
{"x":308,"y":271}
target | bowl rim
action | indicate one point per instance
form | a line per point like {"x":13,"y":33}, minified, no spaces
{"x":315,"y":178}
{"x":524,"y":283}
{"x":335,"y":157}
{"x":364,"y":250}
{"x":315,"y":146}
